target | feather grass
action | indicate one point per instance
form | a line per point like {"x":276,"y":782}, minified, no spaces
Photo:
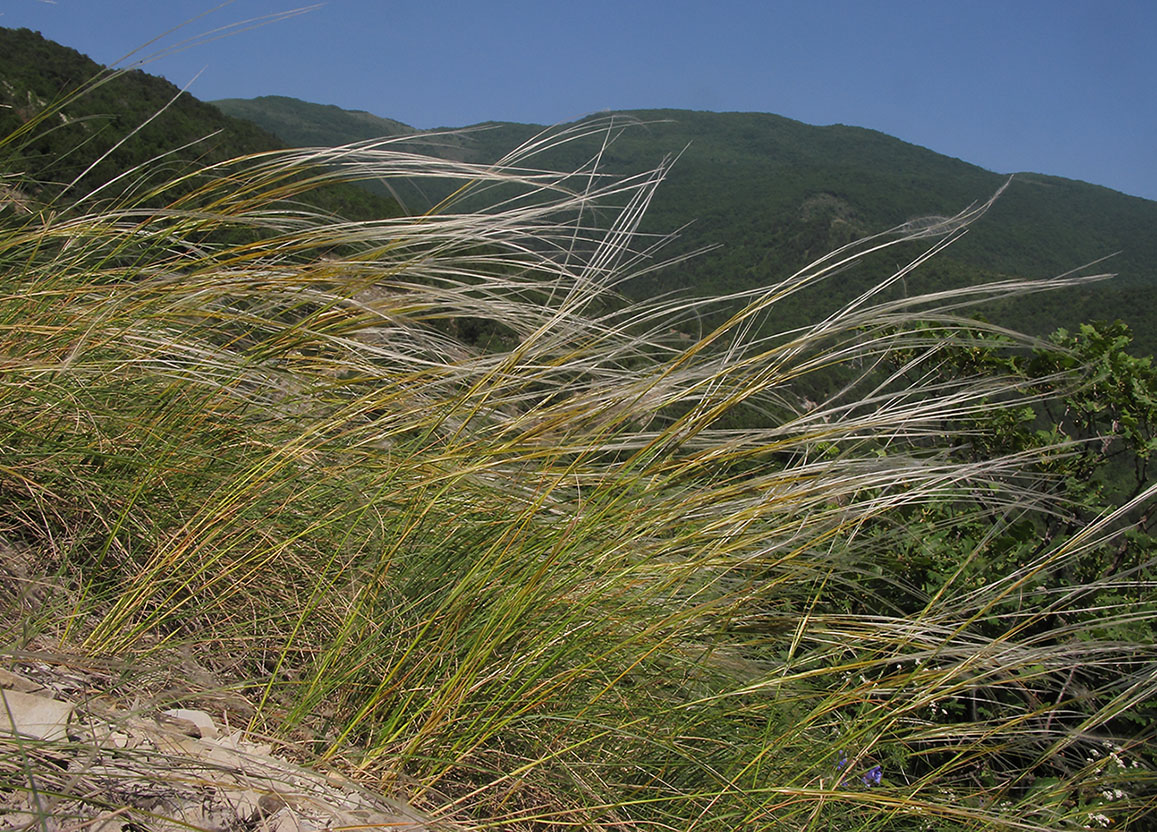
{"x":542,"y":581}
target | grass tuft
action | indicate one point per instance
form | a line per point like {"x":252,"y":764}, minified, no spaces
{"x":425,"y":499}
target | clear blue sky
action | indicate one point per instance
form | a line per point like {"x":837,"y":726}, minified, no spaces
{"x":1067,"y":87}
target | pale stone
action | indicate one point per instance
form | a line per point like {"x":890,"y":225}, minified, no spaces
{"x":15,"y":681}
{"x":202,"y":720}
{"x":38,"y":717}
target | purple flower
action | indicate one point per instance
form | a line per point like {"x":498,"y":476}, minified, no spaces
{"x":873,"y":776}
{"x":841,"y":759}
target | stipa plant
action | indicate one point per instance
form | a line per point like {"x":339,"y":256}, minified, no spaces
{"x":536,"y":577}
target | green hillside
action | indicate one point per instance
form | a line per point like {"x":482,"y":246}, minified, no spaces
{"x":772,"y":193}
{"x":120,"y":123}
{"x":302,"y":124}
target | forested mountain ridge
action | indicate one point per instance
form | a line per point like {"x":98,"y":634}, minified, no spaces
{"x":118,"y":124}
{"x":773,"y":193}
{"x":300,"y":123}
{"x":769,"y":192}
